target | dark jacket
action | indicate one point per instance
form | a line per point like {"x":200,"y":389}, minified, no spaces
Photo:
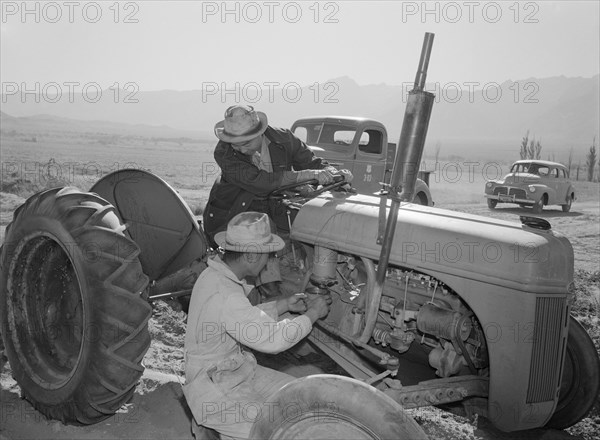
{"x":243,"y":187}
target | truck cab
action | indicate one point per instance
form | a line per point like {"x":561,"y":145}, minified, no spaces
{"x":359,"y":145}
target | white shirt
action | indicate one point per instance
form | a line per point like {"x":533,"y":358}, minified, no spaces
{"x":221,"y":319}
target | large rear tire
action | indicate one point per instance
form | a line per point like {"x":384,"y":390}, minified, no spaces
{"x":327,"y":406}
{"x":580,"y":383}
{"x":73,"y":317}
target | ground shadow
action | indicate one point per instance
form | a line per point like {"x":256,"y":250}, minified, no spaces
{"x":486,"y":430}
{"x":546,"y":213}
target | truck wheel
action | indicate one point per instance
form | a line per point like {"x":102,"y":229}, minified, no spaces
{"x":326,"y":406}
{"x":492,"y":203}
{"x":580,"y":382}
{"x":421,"y":199}
{"x":73,"y":319}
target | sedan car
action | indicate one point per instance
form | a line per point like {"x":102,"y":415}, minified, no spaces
{"x":534,"y":183}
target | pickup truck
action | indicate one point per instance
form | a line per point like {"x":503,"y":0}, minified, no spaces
{"x":361,"y":146}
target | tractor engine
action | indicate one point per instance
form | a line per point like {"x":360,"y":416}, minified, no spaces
{"x":415,"y":309}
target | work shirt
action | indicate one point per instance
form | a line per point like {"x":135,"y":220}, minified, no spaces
{"x":221,"y":377}
{"x":221,"y":320}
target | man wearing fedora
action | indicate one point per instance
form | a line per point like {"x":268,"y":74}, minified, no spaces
{"x":256,"y":159}
{"x":225,"y":388}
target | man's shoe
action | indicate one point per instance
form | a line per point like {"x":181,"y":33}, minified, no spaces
{"x":270,"y":290}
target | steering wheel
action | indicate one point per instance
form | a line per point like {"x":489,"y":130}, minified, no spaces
{"x":290,"y":204}
{"x":338,"y":181}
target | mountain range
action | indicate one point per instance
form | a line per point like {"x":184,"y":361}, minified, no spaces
{"x":468,"y":120}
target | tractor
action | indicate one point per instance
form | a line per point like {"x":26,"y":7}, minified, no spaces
{"x":430,"y":306}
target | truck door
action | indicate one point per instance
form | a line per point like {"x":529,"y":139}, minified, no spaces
{"x":369,"y":166}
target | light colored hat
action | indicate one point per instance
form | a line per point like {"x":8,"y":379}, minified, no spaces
{"x":241,"y":124}
{"x":249,"y":232}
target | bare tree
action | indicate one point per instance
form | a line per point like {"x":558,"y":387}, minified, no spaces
{"x":524,"y":142}
{"x":570,"y":160}
{"x":578,"y":168}
{"x":538,"y":150}
{"x":591,"y":161}
{"x":531,"y":149}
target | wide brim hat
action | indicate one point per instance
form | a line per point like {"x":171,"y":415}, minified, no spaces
{"x":241,"y":124}
{"x":249,"y":232}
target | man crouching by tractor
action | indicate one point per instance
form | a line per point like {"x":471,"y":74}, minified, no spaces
{"x":255,"y":160}
{"x":225,"y":387}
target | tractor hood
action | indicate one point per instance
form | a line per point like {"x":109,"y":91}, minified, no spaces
{"x":157,"y":219}
{"x":442,"y":241}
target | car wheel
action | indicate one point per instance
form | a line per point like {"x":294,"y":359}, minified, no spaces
{"x":538,"y":206}
{"x":567,"y":206}
{"x":492,"y":203}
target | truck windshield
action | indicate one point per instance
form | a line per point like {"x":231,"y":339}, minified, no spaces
{"x":326,"y":134}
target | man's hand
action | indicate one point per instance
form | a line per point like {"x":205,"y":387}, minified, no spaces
{"x":297,"y":303}
{"x":318,"y":307}
{"x":313,"y":298}
{"x":324,"y":177}
{"x":348,"y":177}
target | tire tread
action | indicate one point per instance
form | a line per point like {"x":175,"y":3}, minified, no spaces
{"x":116,"y":282}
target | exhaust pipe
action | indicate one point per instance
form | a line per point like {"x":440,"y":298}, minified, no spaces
{"x":406,"y":167}
{"x":414,"y":129}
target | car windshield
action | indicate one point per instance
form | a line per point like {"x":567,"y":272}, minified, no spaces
{"x":531,"y":168}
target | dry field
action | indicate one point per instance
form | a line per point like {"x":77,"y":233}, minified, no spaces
{"x":158,"y":410}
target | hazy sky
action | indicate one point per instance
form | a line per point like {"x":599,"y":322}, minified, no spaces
{"x":185,"y":45}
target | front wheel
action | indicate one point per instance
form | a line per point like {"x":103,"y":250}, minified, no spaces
{"x":326,"y":406}
{"x":580,"y":383}
{"x":492,"y":203}
{"x":538,"y":206}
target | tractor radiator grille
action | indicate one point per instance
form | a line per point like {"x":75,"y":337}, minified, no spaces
{"x":550,"y":320}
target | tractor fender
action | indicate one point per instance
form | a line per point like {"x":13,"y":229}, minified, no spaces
{"x":157,"y":219}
